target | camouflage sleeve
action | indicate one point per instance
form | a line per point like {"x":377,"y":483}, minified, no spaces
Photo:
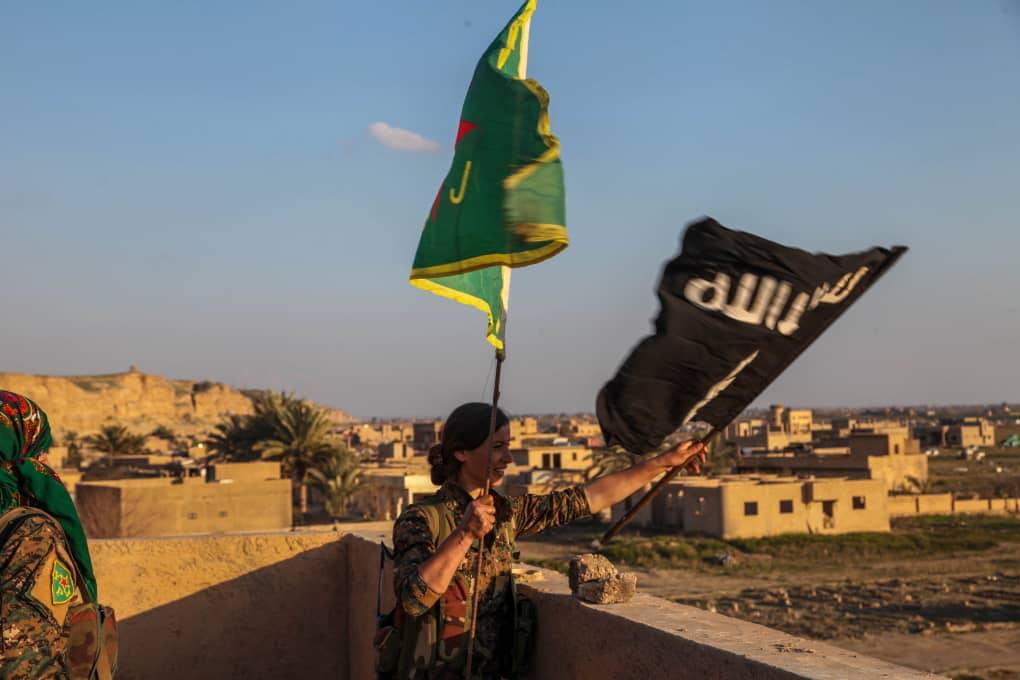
{"x":34,"y":609}
{"x":412,"y":545}
{"x":535,"y":513}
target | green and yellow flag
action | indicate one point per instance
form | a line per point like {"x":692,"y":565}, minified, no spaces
{"x":502,"y":204}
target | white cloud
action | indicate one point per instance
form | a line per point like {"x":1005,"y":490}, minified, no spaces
{"x":400,"y":139}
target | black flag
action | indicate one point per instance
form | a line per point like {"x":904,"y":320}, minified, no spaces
{"x":736,"y":310}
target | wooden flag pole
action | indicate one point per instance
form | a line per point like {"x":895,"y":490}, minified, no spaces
{"x":500,"y":356}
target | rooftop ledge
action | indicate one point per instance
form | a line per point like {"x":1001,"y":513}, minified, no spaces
{"x":302,"y":604}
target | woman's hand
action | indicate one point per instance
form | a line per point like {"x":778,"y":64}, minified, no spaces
{"x":480,"y":517}
{"x":689,"y":455}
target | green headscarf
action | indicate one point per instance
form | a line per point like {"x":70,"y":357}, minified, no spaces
{"x":24,"y":480}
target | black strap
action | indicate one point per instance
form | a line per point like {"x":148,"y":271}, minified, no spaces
{"x":384,"y":552}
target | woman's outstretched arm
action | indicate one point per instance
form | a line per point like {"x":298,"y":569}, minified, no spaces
{"x":613,"y":488}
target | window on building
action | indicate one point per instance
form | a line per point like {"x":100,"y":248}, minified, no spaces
{"x":896,"y":448}
{"x":699,"y":509}
{"x":192,"y":515}
{"x":223,"y":513}
{"x":859,"y":503}
{"x":751,"y":508}
{"x":557,"y":461}
{"x":828,"y":514}
{"x":546,"y":460}
{"x":786,"y":507}
{"x":574,"y":456}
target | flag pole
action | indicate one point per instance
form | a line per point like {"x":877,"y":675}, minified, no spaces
{"x":673,"y":472}
{"x":895,"y":255}
{"x":500,"y":356}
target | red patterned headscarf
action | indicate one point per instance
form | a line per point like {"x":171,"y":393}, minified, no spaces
{"x":25,"y":480}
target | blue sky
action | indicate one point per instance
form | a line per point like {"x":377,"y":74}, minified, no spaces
{"x":192,"y":187}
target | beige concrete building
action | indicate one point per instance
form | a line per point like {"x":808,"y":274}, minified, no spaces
{"x":665,"y":511}
{"x":237,"y":473}
{"x":384,"y":493}
{"x":842,"y":427}
{"x":237,"y":500}
{"x":523,"y":426}
{"x":895,"y":442}
{"x":752,"y":508}
{"x":539,"y":481}
{"x":579,"y":429}
{"x":395,"y":451}
{"x":553,"y":457}
{"x":373,"y":434}
{"x":970,"y":432}
{"x":784,"y":428}
{"x":427,"y":434}
{"x":896,"y":472}
{"x":891,"y":455}
{"x":798,"y":422}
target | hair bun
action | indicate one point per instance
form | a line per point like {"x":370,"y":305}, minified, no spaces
{"x":436,"y":454}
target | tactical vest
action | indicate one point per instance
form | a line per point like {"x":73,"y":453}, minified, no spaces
{"x":92,"y":647}
{"x":409,"y":646}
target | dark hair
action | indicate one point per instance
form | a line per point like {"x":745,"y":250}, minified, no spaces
{"x":465,"y":429}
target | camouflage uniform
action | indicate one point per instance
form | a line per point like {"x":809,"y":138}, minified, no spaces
{"x":38,"y":589}
{"x":414,"y":542}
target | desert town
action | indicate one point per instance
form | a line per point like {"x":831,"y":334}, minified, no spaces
{"x":139,"y":465}
{"x":180,"y":458}
{"x":271,"y":408}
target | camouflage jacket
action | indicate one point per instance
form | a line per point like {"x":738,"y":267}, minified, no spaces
{"x":414,"y":542}
{"x":38,"y":589}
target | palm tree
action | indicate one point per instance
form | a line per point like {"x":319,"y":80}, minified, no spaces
{"x":232,"y":439}
{"x":918,"y":485}
{"x":237,"y":436}
{"x":300,"y":436}
{"x":73,"y":444}
{"x":116,"y":439}
{"x":338,"y":476}
{"x":163,"y":432}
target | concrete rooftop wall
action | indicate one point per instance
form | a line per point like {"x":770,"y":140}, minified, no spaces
{"x":302,"y":605}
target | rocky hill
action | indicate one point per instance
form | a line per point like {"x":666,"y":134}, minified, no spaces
{"x":140,"y":401}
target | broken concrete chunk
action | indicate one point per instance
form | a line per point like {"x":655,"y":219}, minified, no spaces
{"x":588,"y":567}
{"x":594,"y":579}
{"x":610,"y":590}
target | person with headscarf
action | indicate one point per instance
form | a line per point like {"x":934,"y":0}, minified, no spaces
{"x":44,"y":558}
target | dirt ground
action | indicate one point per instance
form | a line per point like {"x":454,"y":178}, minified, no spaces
{"x":957,"y":615}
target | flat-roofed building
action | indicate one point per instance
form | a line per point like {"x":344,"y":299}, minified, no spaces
{"x":752,"y":508}
{"x":427,"y":434}
{"x":539,"y":481}
{"x":798,"y":422}
{"x":970,"y":432}
{"x":188,"y":505}
{"x":553,"y":457}
{"x":256,"y":471}
{"x":398,"y":450}
{"x":897,"y":472}
{"x":384,"y":493}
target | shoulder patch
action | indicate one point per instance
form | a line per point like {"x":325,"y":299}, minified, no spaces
{"x":62,"y":583}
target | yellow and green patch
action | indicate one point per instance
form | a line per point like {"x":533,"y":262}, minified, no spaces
{"x":62,"y":583}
